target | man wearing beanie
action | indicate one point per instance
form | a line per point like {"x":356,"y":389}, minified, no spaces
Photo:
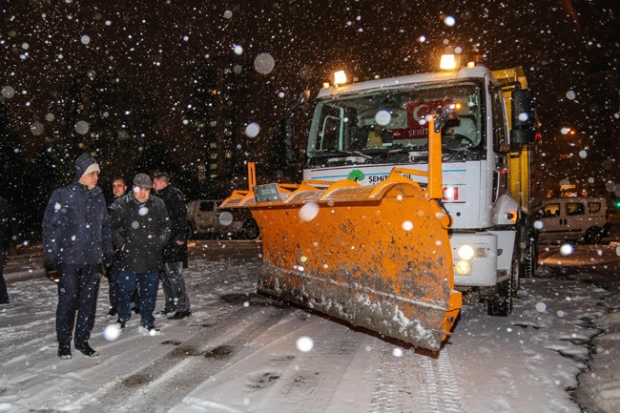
{"x":77,"y":238}
{"x":140,"y":229}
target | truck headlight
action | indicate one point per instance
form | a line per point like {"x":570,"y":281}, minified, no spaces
{"x":463,"y":267}
{"x":465,"y":252}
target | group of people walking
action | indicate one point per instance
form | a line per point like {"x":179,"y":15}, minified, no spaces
{"x":140,"y":237}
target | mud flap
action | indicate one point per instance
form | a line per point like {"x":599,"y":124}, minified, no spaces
{"x":378,"y":257}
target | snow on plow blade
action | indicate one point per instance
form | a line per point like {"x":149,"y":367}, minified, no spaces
{"x":378,"y":257}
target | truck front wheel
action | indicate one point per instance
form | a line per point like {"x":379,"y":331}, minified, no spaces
{"x":530,"y":259}
{"x":499,"y":303}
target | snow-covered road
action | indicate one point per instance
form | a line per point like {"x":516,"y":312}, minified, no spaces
{"x":241,"y":352}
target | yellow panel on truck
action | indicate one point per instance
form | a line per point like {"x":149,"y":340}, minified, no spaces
{"x":519,"y":174}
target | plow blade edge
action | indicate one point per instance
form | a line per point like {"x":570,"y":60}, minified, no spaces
{"x":378,"y":257}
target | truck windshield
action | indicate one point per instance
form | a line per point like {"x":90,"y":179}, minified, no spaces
{"x":396,"y":119}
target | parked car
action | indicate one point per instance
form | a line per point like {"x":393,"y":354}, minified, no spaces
{"x":573,"y":219}
{"x":206,"y":219}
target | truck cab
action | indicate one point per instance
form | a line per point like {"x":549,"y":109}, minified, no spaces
{"x":361,"y":131}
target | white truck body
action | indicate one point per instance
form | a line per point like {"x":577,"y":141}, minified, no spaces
{"x":476,"y":187}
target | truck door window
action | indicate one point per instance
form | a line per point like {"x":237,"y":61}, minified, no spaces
{"x":499,"y":129}
{"x":331,"y":136}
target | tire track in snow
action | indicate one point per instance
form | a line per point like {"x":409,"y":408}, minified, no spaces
{"x":395,"y":376}
{"x":48,"y":369}
{"x":414,"y":382}
{"x":442,"y":390}
{"x":305,"y":384}
{"x":187,"y":365}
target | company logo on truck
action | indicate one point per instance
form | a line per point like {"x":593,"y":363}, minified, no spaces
{"x":451,"y":192}
{"x":356,"y":175}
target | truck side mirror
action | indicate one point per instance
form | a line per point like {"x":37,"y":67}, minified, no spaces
{"x":287,"y":127}
{"x":288,"y":130}
{"x":301,"y":100}
{"x":523,"y":130}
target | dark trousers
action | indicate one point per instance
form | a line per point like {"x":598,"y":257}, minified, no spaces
{"x":78,"y":286}
{"x":174,"y":287}
{"x":128,"y":283}
{"x":112,"y":275}
{"x":4,"y":295}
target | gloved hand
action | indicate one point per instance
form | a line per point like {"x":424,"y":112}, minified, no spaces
{"x":108,"y":259}
{"x":52,"y":265}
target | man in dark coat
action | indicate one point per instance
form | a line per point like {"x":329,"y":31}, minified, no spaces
{"x":76,"y":239}
{"x":9,"y":234}
{"x":175,"y":253}
{"x":140,"y":228}
{"x":119,"y":189}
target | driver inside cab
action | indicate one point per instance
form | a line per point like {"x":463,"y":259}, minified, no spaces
{"x":449,"y":139}
{"x":378,"y":137}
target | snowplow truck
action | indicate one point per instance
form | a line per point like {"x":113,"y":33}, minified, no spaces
{"x":415,"y":189}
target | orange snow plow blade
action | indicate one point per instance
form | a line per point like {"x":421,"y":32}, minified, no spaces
{"x":378,"y":257}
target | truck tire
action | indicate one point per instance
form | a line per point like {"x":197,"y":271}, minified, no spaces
{"x":190,"y":231}
{"x":250,"y":229}
{"x":593,"y":235}
{"x":499,"y":304}
{"x":530,"y":259}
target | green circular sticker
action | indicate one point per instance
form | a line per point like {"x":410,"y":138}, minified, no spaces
{"x":356,"y":175}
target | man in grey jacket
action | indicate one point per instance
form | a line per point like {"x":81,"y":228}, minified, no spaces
{"x":140,"y":229}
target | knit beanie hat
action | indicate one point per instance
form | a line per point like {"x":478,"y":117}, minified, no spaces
{"x":85,"y":164}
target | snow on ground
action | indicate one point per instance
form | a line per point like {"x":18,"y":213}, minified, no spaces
{"x":241,"y":352}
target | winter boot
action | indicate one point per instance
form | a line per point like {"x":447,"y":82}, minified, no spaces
{"x":87,"y":350}
{"x":64,"y":351}
{"x":180,"y":314}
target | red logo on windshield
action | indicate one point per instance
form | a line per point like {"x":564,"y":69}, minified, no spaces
{"x":417,"y":114}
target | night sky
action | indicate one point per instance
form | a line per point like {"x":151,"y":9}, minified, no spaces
{"x":570,"y":50}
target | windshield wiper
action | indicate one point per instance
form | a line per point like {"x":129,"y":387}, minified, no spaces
{"x":329,"y":154}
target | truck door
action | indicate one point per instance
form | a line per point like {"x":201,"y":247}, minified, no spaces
{"x":500,"y":178}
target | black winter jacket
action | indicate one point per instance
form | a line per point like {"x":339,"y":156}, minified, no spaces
{"x":141,"y":231}
{"x":76,"y":226}
{"x":177,"y":211}
{"x":9,"y":232}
